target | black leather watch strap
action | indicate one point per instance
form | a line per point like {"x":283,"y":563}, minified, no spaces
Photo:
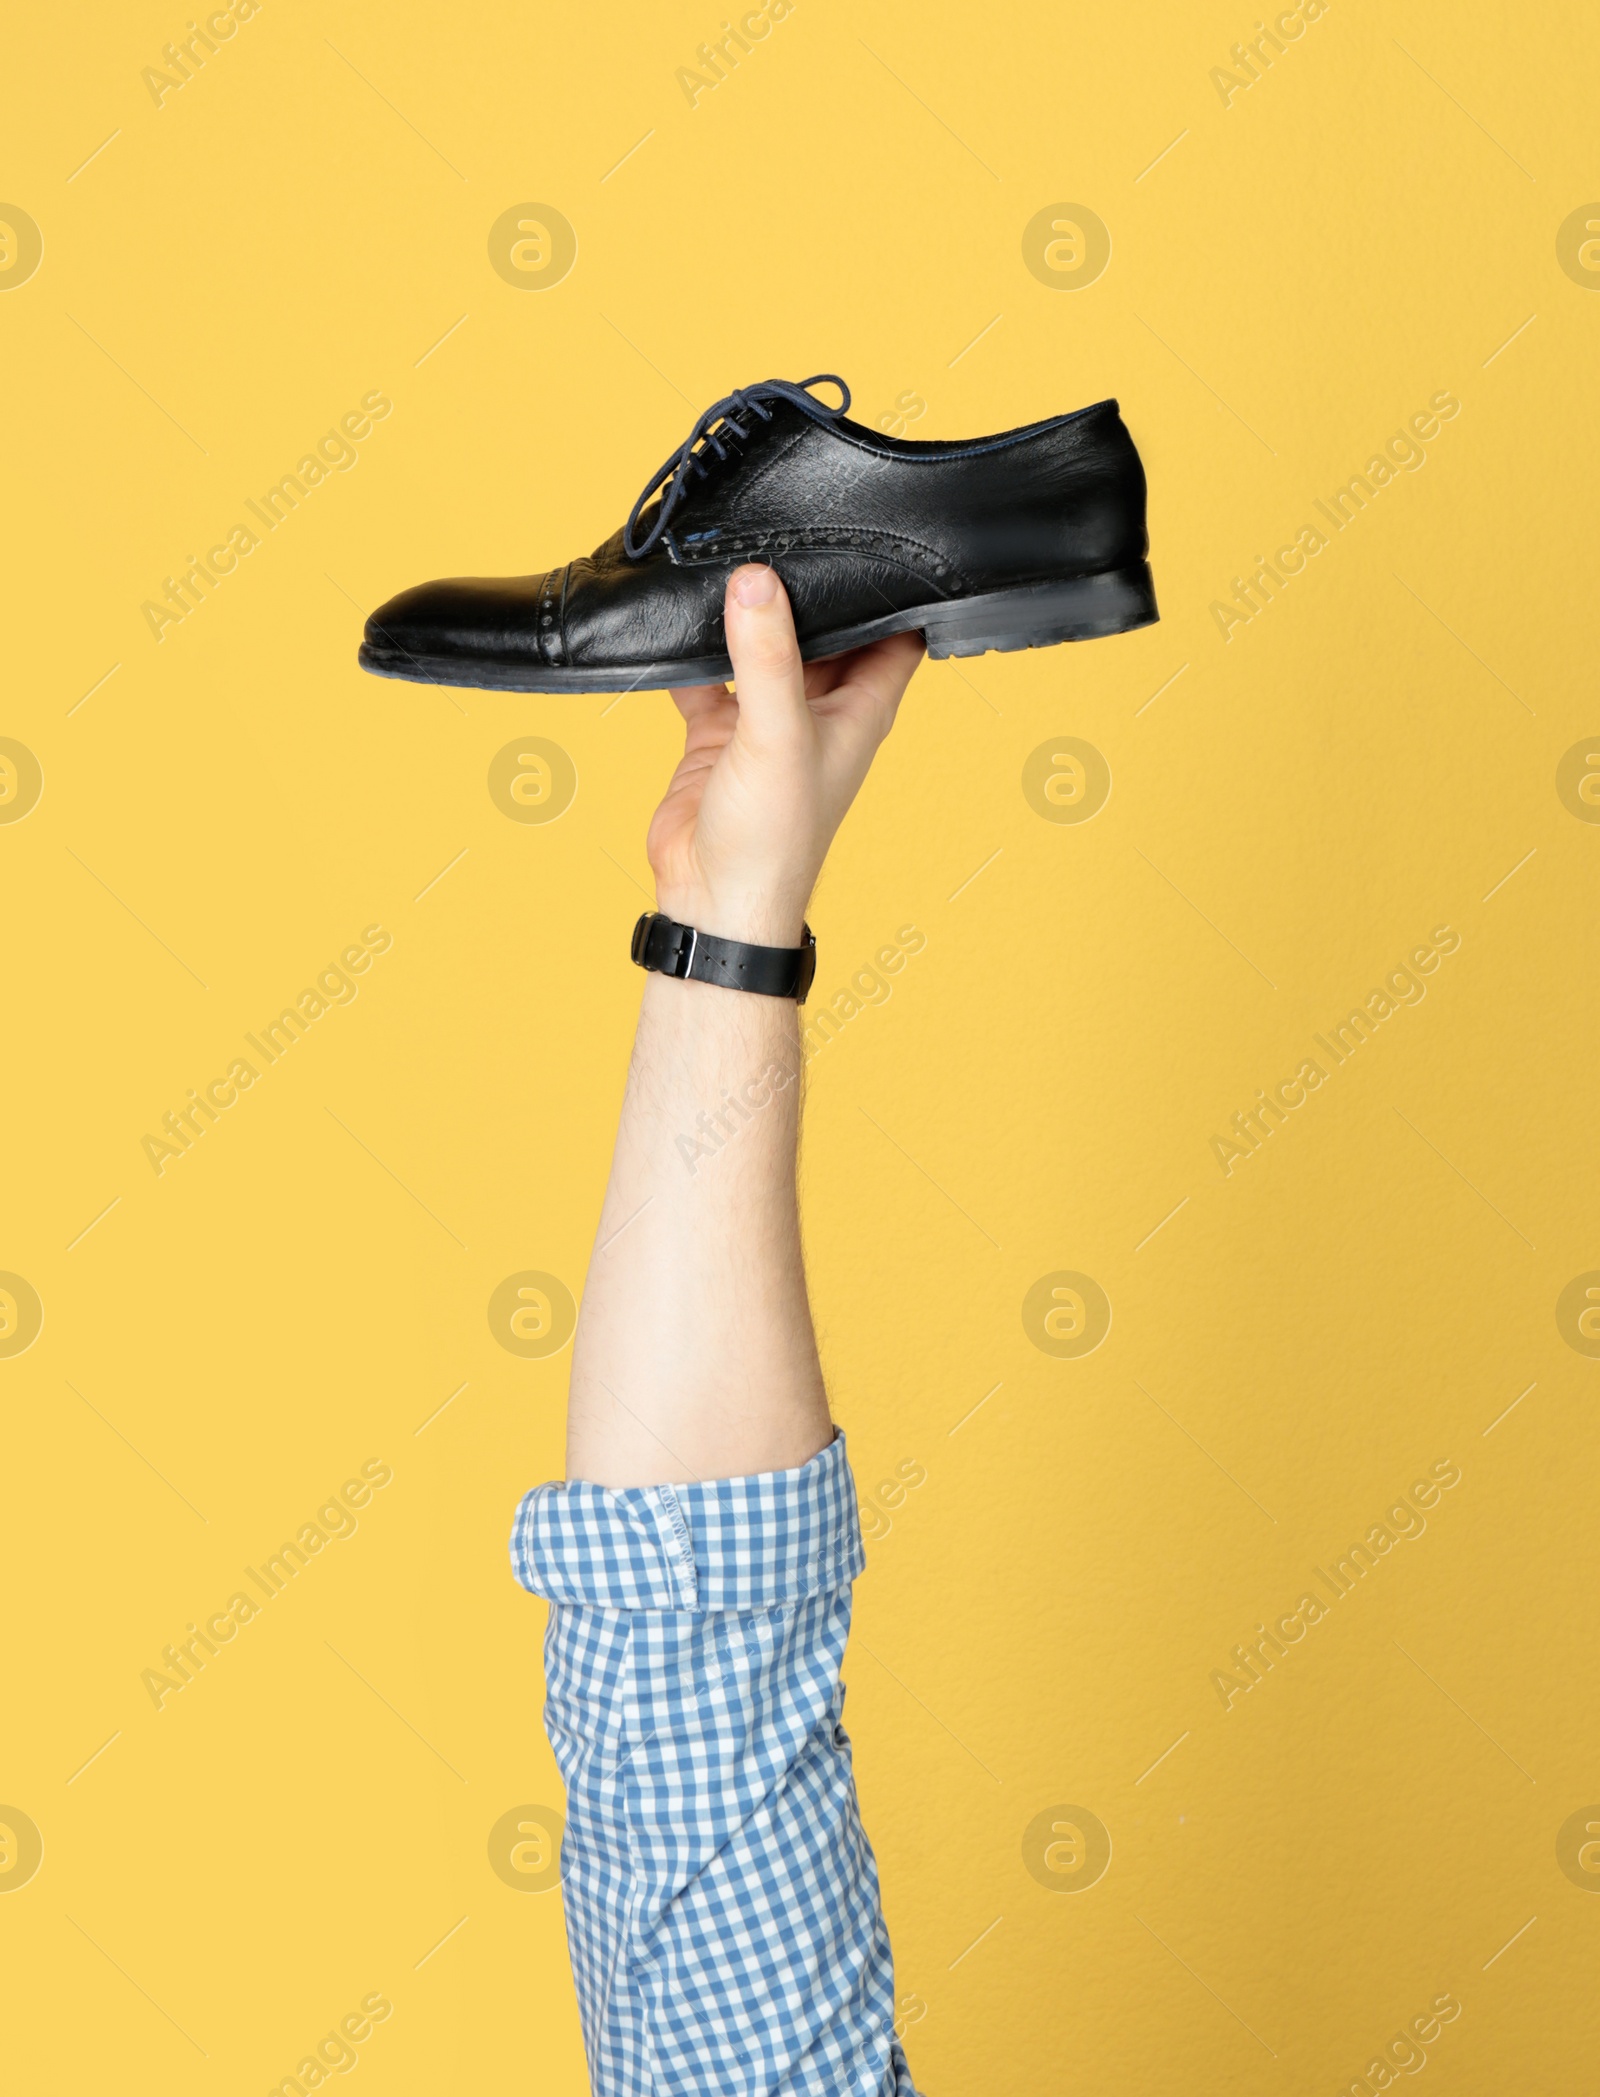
{"x":679,"y":950}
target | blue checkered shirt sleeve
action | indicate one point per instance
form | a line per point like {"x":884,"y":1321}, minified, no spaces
{"x":722,"y":1900}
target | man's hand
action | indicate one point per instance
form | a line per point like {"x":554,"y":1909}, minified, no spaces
{"x":769,"y":769}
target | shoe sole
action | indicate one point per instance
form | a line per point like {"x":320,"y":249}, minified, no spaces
{"x":1035,"y":615}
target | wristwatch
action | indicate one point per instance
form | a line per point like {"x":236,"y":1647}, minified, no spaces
{"x":678,"y":950}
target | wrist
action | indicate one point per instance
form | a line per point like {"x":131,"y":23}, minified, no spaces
{"x":763,"y":919}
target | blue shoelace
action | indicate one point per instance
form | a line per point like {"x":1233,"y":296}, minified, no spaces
{"x":674,"y":474}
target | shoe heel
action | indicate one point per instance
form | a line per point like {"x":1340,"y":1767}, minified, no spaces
{"x":1038,"y":615}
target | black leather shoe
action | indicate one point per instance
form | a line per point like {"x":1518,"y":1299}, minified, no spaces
{"x":1016,"y":541}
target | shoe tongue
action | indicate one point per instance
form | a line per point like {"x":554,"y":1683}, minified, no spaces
{"x":719,"y":471}
{"x":732,"y":443}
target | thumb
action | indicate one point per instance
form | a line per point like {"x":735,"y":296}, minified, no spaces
{"x":769,"y":678}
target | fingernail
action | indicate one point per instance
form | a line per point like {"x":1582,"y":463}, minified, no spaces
{"x":756,"y":584}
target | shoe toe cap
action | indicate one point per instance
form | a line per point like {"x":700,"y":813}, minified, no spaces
{"x":460,"y":616}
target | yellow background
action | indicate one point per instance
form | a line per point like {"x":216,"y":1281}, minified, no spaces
{"x":1372,"y":221}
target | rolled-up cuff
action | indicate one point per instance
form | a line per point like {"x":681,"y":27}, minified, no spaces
{"x":726,"y":1543}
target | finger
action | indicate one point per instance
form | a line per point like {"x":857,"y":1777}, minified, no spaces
{"x":885,"y":669}
{"x":769,"y":680}
{"x":837,"y":673}
{"x":825,"y":677}
{"x":710,"y":714}
{"x":874,"y":683}
{"x":693,"y":699}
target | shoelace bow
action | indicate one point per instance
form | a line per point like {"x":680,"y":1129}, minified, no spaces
{"x":674,"y":474}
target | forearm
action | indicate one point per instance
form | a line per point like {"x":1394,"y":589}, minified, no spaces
{"x":695,"y":1355}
